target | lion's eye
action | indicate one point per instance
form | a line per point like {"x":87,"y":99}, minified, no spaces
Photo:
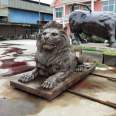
{"x":54,"y":34}
{"x":44,"y":33}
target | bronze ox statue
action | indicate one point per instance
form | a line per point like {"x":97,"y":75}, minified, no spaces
{"x":101,"y":24}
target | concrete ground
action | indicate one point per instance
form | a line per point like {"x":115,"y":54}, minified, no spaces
{"x":17,"y":103}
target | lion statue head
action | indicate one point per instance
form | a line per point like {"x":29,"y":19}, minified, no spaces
{"x":52,"y":37}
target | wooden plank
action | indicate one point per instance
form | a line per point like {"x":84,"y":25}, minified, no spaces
{"x":98,"y":89}
{"x":34,"y":87}
{"x":110,"y":74}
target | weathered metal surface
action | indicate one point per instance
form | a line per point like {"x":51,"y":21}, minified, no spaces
{"x":34,"y":87}
{"x":97,"y":88}
{"x":88,"y":22}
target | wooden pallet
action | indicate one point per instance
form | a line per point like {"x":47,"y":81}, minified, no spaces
{"x":97,"y":88}
{"x":34,"y":87}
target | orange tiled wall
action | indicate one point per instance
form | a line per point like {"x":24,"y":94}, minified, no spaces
{"x":58,"y":3}
{"x":98,"y":5}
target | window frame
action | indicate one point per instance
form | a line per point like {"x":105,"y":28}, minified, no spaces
{"x":59,"y":12}
{"x":108,"y":5}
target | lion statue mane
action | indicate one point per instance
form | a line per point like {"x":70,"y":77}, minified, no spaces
{"x":54,"y":59}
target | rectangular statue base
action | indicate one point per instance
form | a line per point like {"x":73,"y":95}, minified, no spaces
{"x":34,"y":87}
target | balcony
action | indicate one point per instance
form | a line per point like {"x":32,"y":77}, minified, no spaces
{"x":25,"y":5}
{"x":74,"y":1}
{"x":3,"y":12}
{"x":3,"y":3}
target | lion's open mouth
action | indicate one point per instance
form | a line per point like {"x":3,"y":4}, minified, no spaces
{"x":48,"y":47}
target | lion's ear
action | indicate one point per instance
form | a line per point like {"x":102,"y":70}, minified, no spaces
{"x":39,"y":35}
{"x":65,"y":29}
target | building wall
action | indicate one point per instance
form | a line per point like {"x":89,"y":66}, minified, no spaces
{"x":17,"y":11}
{"x":109,"y":5}
{"x":21,"y":16}
{"x":67,"y":10}
{"x":98,"y":5}
{"x":14,"y":31}
{"x":17,"y":19}
{"x":3,"y":11}
{"x":26,"y":17}
{"x":3,"y":3}
{"x":58,"y":3}
{"x":26,"y":5}
{"x":46,"y":17}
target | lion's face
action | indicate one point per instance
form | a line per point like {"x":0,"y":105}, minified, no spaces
{"x":50,"y":38}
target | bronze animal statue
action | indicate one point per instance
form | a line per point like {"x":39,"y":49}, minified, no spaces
{"x":54,"y":59}
{"x":102,"y":24}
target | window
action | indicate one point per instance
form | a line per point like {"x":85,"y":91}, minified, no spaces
{"x":111,"y":2}
{"x":105,"y":2}
{"x":81,"y":7}
{"x":88,"y":4}
{"x":109,"y":5}
{"x":59,"y":12}
{"x":77,"y":7}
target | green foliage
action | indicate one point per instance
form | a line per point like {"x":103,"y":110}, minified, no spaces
{"x":105,"y":51}
{"x":98,"y":64}
{"x":109,"y":52}
{"x":88,"y":48}
{"x":93,"y":39}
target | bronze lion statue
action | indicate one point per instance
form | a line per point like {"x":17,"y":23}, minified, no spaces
{"x":54,"y":59}
{"x":101,"y":24}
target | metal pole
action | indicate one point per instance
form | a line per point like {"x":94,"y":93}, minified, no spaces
{"x":92,"y":5}
{"x":39,"y":17}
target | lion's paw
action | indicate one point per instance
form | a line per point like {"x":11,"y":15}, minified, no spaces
{"x":50,"y":83}
{"x":26,"y":78}
{"x":80,"y":68}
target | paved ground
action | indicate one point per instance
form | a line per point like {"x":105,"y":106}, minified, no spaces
{"x":17,"y":103}
{"x":16,"y":56}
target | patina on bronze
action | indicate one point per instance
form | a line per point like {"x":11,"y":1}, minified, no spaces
{"x":54,"y":59}
{"x":102,"y":24}
{"x":34,"y":87}
{"x":57,"y":67}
